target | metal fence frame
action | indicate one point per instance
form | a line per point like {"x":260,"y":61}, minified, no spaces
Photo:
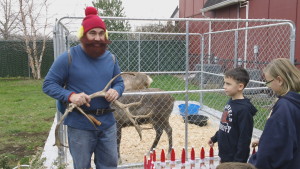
{"x":61,"y":44}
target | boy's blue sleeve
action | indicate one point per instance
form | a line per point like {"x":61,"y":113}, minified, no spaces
{"x":245,"y":125}
{"x":215,"y":137}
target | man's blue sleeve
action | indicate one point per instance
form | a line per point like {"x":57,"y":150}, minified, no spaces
{"x":56,"y":78}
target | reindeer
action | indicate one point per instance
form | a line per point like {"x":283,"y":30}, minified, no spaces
{"x":153,"y":109}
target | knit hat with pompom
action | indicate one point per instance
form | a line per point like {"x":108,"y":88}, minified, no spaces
{"x":92,"y":20}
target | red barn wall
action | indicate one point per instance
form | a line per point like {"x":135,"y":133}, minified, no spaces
{"x":258,"y":9}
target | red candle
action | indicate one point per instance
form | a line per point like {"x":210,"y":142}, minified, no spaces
{"x":162,"y":156}
{"x":173,"y":155}
{"x":192,"y":158}
{"x":183,"y":156}
{"x":202,"y":157}
{"x":162,"y":159}
{"x":183,"y":159}
{"x":211,"y":152}
{"x":202,"y":153}
{"x":172,"y":163}
{"x":193,"y":154}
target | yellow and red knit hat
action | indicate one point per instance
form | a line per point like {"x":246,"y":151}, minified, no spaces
{"x":91,"y":20}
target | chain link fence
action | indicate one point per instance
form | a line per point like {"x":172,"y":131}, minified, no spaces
{"x":186,"y":59}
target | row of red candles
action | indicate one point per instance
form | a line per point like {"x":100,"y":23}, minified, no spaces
{"x":149,"y":163}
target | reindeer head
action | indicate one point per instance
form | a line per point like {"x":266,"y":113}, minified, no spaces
{"x":136,"y":81}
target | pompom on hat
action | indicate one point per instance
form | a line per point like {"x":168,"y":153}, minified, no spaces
{"x":91,"y":20}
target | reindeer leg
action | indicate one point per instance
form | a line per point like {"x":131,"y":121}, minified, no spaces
{"x":168,"y":130}
{"x":159,"y":132}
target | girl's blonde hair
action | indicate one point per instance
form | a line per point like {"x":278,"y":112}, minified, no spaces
{"x":287,"y":71}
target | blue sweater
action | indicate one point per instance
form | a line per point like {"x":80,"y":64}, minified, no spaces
{"x":235,"y":131}
{"x":83,"y":74}
{"x":279,"y":144}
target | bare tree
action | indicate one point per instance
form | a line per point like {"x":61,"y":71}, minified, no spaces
{"x":8,"y":19}
{"x":34,"y":23}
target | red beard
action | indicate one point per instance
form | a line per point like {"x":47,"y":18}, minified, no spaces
{"x":94,"y":48}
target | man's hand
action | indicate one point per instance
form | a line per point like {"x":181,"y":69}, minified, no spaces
{"x":111,"y":95}
{"x":80,"y":99}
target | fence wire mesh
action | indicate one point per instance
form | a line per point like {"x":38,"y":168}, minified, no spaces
{"x":186,"y":59}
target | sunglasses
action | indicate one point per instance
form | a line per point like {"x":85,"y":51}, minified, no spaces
{"x":267,"y":82}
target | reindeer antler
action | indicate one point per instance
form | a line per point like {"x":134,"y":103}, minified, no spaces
{"x":124,"y":107}
{"x":69,"y":109}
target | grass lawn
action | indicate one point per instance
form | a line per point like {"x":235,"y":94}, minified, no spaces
{"x":26,"y":116}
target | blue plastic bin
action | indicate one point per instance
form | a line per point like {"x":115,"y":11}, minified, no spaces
{"x":192,"y":109}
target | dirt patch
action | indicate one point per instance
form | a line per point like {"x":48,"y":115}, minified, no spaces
{"x":133,"y":150}
{"x":50,"y":119}
{"x":19,"y":151}
{"x":24,"y":149}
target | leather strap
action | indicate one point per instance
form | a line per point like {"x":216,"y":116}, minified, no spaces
{"x":99,"y":111}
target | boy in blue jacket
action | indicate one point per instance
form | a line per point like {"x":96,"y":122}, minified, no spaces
{"x":236,"y":125}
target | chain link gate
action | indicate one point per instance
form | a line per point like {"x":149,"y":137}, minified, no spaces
{"x":186,"y":59}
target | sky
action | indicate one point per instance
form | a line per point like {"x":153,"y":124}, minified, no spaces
{"x":132,"y":8}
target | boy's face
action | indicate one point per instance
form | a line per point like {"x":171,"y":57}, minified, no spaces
{"x":233,"y":88}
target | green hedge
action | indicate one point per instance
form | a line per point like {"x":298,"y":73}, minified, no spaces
{"x":165,"y":55}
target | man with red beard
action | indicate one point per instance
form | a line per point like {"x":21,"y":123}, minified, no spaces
{"x":91,"y":67}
